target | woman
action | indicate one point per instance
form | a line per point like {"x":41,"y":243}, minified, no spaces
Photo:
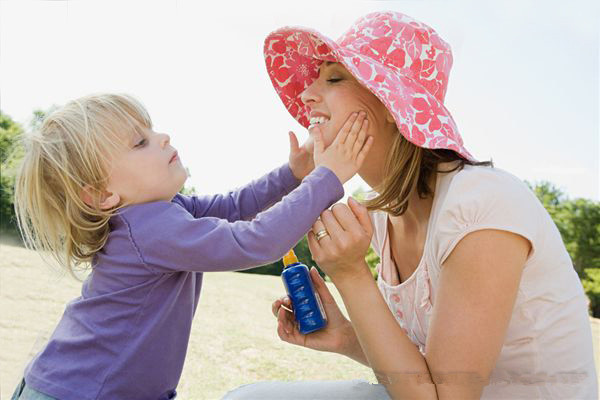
{"x":476,"y":295}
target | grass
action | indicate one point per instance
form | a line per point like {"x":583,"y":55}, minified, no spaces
{"x":233,"y":339}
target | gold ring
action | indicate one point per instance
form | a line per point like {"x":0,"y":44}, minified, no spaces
{"x":321,"y":234}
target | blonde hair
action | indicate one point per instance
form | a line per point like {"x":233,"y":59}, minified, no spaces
{"x":68,"y":152}
{"x":408,"y":168}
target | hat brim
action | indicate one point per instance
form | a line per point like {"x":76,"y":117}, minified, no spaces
{"x":293,"y":56}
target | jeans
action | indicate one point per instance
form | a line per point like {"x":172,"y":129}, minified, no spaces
{"x":309,"y":390}
{"x":24,"y":392}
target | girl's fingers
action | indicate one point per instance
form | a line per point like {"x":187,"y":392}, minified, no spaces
{"x":343,"y":134}
{"x":355,"y":129}
{"x":360,"y":158}
{"x":294,"y":145}
{"x":360,"y":140}
{"x":319,"y":146}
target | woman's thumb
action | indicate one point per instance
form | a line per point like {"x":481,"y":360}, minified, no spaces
{"x":362,"y":214}
{"x":320,"y":286}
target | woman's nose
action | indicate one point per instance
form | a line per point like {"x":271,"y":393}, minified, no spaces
{"x":310,"y":94}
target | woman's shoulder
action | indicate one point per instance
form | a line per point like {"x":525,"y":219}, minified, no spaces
{"x":474,"y":176}
{"x":480,"y":185}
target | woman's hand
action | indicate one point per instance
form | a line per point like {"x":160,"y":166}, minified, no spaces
{"x":341,"y":252}
{"x":338,"y":335}
{"x":301,"y":157}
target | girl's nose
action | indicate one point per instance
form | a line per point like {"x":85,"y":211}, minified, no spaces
{"x":164,"y":140}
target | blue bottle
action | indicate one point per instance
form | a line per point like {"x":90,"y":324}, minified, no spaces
{"x":308,"y":309}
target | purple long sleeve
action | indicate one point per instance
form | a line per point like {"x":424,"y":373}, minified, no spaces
{"x":173,"y":240}
{"x":243,"y":203}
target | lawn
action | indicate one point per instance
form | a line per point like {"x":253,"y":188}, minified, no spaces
{"x":233,"y":339}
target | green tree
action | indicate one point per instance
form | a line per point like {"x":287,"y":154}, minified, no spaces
{"x":591,"y":285}
{"x":10,"y":154}
{"x":578,"y":222}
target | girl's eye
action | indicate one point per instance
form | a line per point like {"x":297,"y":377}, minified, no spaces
{"x":140,"y":143}
{"x":334,"y":80}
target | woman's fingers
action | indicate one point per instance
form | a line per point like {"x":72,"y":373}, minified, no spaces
{"x":331,"y":224}
{"x":362,"y":215}
{"x":345,"y":217}
{"x":321,"y":287}
{"x":283,"y":301}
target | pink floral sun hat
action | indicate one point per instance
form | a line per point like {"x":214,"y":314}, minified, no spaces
{"x":402,"y":61}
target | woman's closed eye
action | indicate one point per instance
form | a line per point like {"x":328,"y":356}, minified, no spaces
{"x":334,"y":80}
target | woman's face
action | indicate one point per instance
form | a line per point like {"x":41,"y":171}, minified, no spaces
{"x":333,"y":97}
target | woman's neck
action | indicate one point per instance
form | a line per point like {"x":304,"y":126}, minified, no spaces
{"x":416,"y":217}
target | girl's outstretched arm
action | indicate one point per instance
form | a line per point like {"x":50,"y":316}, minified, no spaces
{"x":245,"y":202}
{"x":167,"y":238}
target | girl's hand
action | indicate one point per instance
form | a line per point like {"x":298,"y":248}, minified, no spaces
{"x":341,"y":253}
{"x":349,"y":148}
{"x":301,"y":157}
{"x":338,"y":335}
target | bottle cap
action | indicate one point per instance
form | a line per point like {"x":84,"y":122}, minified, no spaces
{"x":290,"y":258}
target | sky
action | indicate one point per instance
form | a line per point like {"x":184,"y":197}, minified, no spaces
{"x":523,"y":88}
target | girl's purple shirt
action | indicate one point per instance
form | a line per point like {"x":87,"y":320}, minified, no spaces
{"x":126,"y":336}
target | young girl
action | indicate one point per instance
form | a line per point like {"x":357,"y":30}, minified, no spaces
{"x":98,"y":185}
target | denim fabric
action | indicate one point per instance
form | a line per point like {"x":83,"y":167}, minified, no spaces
{"x":309,"y":390}
{"x":24,"y":392}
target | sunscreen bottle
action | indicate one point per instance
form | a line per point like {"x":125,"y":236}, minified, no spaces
{"x":308,"y":309}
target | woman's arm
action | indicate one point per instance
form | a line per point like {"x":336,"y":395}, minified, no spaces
{"x":477,"y":290}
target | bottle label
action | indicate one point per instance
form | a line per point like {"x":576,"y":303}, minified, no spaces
{"x":320,"y":305}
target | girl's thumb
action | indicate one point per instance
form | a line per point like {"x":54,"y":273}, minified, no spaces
{"x":293,"y":142}
{"x":318,"y":139}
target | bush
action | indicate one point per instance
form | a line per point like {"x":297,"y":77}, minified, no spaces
{"x":591,"y":285}
{"x":10,"y":154}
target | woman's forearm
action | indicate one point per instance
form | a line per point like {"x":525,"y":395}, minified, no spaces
{"x":396,"y":361}
{"x":353,"y":349}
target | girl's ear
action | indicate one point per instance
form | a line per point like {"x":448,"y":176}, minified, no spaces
{"x":86,"y":195}
{"x":109,"y":200}
{"x":93,"y":198}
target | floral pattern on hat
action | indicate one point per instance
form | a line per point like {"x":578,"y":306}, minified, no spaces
{"x":400,"y":60}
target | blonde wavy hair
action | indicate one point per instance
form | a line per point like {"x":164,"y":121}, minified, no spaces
{"x":409,"y":168}
{"x":71,"y":151}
